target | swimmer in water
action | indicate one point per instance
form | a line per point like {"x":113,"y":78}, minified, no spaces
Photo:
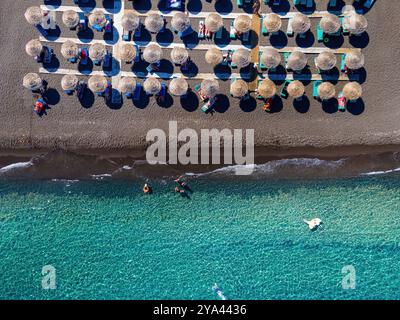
{"x":146,"y":188}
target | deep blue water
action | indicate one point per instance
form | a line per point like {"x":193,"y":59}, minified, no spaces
{"x":106,"y":240}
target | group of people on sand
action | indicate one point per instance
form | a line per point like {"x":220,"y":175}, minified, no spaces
{"x":183,"y":188}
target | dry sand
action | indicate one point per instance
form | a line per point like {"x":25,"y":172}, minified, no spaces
{"x":68,"y":125}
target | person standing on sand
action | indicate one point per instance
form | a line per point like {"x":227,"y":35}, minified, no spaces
{"x":256,"y":7}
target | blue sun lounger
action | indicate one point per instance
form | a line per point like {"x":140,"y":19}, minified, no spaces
{"x":218,"y":34}
{"x":262,"y":65}
{"x":138,"y":91}
{"x":185,"y":32}
{"x":207,"y":107}
{"x":232,"y":31}
{"x":138,"y":31}
{"x":283,"y":93}
{"x":315,"y":88}
{"x":126,"y":35}
{"x":239,"y":3}
{"x":342,"y":62}
{"x":48,"y":54}
{"x":82,"y":21}
{"x":107,"y":60}
{"x":368,"y":4}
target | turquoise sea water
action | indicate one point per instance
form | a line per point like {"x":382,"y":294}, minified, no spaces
{"x":107,"y":240}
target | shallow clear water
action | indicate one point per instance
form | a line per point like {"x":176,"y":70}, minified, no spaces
{"x":109,"y":241}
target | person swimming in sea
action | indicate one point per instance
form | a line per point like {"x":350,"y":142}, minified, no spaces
{"x":182,"y":192}
{"x":183,"y":184}
{"x":147,"y":189}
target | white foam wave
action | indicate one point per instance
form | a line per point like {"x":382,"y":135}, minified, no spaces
{"x":376,"y":173}
{"x":101,"y":176}
{"x":16,"y":166}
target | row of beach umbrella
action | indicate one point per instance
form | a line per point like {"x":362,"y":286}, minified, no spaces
{"x":154,"y":23}
{"x":209,"y":87}
{"x":270,"y":57}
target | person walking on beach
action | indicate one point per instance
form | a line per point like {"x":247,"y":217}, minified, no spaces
{"x":256,"y":7}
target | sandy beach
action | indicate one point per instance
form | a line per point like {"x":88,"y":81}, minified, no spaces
{"x":95,"y":127}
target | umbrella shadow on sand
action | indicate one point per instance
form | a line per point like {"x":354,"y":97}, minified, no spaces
{"x":356,"y":107}
{"x":194,"y":6}
{"x":52,"y":96}
{"x":53,"y":66}
{"x":359,"y":41}
{"x":143,"y":102}
{"x":142,"y":6}
{"x":307,"y":41}
{"x":337,"y":8}
{"x":278,"y":40}
{"x":112,"y":6}
{"x":222,"y":104}
{"x":88,"y":6}
{"x":190,"y":102}
{"x":248,"y":105}
{"x":284,"y":7}
{"x":330,"y":106}
{"x":87,"y":99}
{"x":301,"y":105}
{"x":223,"y":6}
{"x":86,"y":35}
{"x":53,"y":3}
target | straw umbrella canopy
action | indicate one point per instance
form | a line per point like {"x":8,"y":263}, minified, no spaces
{"x":326,"y":90}
{"x":180,"y":21}
{"x":355,"y":23}
{"x":34,"y":15}
{"x":272,"y":22}
{"x":213,"y":56}
{"x":69,"y":49}
{"x":242,"y":23}
{"x":270,"y":57}
{"x":326,"y":60}
{"x":179,"y":55}
{"x":34,"y":48}
{"x":154,"y":22}
{"x":354,"y":60}
{"x":300,"y":23}
{"x":178,"y":86}
{"x":130,"y":21}
{"x":352,"y":91}
{"x":266,"y":89}
{"x":97,"y":83}
{"x":295,"y":89}
{"x":69,"y":82}
{"x":97,"y":18}
{"x":241,"y":57}
{"x":32,"y":81}
{"x":209,"y":87}
{"x":97,"y":51}
{"x":70,"y":18}
{"x":152,"y":53}
{"x":330,"y":23}
{"x":127,"y":84}
{"x":127,"y":52}
{"x":239,"y":88}
{"x":214,"y":22}
{"x":297,"y":61}
{"x":152,"y":86}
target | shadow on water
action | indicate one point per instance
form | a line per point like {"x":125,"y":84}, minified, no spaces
{"x":330,"y":106}
{"x":194,"y":6}
{"x":356,"y":107}
{"x":248,"y":105}
{"x":223,"y":6}
{"x":222,"y":104}
{"x":302,"y":105}
{"x":190,"y":102}
{"x":87,"y":100}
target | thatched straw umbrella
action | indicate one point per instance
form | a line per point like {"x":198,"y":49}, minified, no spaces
{"x":241,"y":57}
{"x":178,"y":86}
{"x":69,"y":49}
{"x":180,"y":21}
{"x":242,"y":23}
{"x":32,"y":81}
{"x":97,"y":51}
{"x":297,"y":61}
{"x":330,"y":23}
{"x":152,"y":85}
{"x":154,"y":22}
{"x":295,"y":89}
{"x":152,"y":53}
{"x":127,"y":84}
{"x":354,"y":60}
{"x":272,"y":22}
{"x":130,"y":21}
{"x":179,"y":55}
{"x":300,"y":23}
{"x":266,"y":89}
{"x":209,"y":87}
{"x":97,"y":83}
{"x":326,"y":91}
{"x":34,"y":48}
{"x":213,"y":56}
{"x":326,"y":60}
{"x":352,"y":91}
{"x":34,"y":15}
{"x":127,"y":52}
{"x":97,"y":18}
{"x":214,"y":22}
{"x":239,"y":88}
{"x":270,"y":57}
{"x":69,"y":82}
{"x":355,"y":23}
{"x":70,"y":18}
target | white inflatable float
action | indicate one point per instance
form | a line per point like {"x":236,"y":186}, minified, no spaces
{"x":313,"y":224}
